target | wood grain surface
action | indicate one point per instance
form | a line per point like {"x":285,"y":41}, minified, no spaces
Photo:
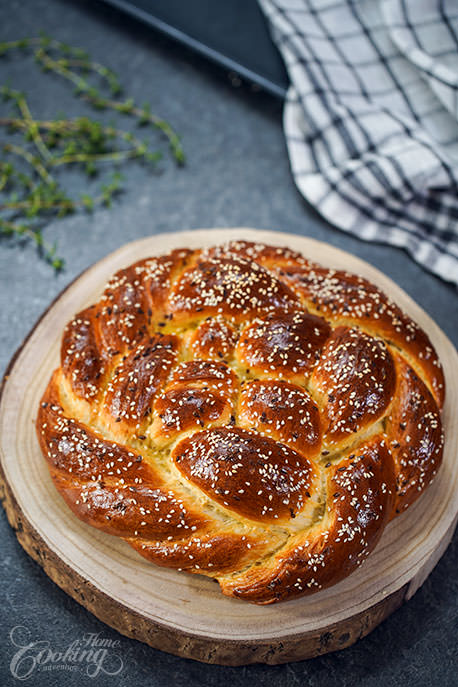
{"x":186,"y":614}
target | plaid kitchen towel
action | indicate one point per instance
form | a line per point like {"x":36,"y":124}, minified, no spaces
{"x":371,"y":118}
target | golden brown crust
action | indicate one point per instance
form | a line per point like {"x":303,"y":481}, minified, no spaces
{"x":252,"y":475}
{"x":183,"y":410}
{"x":354,"y":379}
{"x":134,"y":299}
{"x":228,"y":285}
{"x":283,"y":344}
{"x":214,"y":338}
{"x":350,"y":299}
{"x":81,"y":359}
{"x":243,"y":412}
{"x":136,"y":380}
{"x":210,"y":554}
{"x":415,"y":432}
{"x":360,"y":489}
{"x":285,"y":412}
{"x":205,"y":374}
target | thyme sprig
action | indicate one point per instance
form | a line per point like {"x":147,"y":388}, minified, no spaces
{"x":30,"y":189}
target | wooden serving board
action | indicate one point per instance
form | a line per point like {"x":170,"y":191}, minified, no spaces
{"x":186,"y":614}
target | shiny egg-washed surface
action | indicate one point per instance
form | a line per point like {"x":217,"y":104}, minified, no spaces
{"x":243,"y":413}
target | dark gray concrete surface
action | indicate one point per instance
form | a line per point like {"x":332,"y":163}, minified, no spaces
{"x":237,"y":174}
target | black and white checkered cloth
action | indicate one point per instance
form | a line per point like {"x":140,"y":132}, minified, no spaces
{"x":371,"y":118}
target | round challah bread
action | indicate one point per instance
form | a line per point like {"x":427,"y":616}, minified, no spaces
{"x":243,"y":413}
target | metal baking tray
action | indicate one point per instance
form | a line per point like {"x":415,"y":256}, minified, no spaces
{"x":232,"y":33}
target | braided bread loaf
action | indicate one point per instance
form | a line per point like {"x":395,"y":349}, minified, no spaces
{"x":246,"y":414}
